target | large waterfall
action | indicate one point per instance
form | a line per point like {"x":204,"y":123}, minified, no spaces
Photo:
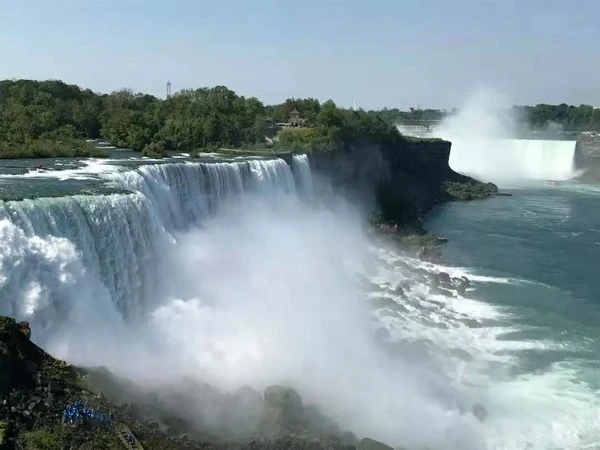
{"x":110,"y":247}
{"x":514,"y":159}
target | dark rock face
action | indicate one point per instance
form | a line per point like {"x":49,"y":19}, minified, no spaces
{"x":443,"y":277}
{"x":403,"y":180}
{"x":283,"y":411}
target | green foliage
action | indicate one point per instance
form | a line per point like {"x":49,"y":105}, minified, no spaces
{"x":335,"y":129}
{"x":469,"y":190}
{"x":155,"y":150}
{"x":47,"y":147}
{"x":567,"y":117}
{"x":307,"y":140}
{"x":413,"y":117}
{"x":308,"y":108}
{"x":43,"y":439}
{"x":50,"y":118}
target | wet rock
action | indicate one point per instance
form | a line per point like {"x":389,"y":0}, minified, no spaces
{"x":461,"y":284}
{"x":399,"y":291}
{"x":429,"y":253}
{"x":387,"y":302}
{"x":443,"y":277}
{"x":480,"y":412}
{"x":371,"y":444}
{"x":472,"y":323}
{"x":283,"y":413}
{"x":24,"y":328}
{"x":441,"y":291}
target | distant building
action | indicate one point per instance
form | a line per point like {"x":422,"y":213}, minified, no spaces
{"x":295,"y":118}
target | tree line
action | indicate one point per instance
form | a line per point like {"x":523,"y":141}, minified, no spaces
{"x":567,"y":117}
{"x":538,"y":117}
{"x":53,"y":116}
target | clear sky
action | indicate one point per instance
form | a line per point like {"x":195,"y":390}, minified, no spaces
{"x":395,"y":53}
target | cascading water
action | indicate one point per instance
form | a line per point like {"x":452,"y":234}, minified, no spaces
{"x":513,"y":159}
{"x":302,"y":172}
{"x":118,"y":239}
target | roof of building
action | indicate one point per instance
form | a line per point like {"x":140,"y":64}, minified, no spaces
{"x":295,"y":111}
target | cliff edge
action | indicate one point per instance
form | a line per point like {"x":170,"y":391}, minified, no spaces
{"x":401,"y":181}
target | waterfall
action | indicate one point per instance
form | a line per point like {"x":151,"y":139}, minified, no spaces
{"x":100,"y":255}
{"x":514,"y":159}
{"x":303,"y":175}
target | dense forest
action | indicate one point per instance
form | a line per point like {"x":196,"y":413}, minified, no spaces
{"x":52,"y":118}
{"x":414,"y":116}
{"x":568,"y":117}
{"x":43,"y":118}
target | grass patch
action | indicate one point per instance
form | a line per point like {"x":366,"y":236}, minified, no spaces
{"x":43,"y":439}
{"x":308,"y":140}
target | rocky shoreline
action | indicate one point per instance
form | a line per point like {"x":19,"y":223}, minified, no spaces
{"x":46,"y":404}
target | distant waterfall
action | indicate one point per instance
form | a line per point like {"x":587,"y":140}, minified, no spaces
{"x":104,"y":251}
{"x":514,"y":159}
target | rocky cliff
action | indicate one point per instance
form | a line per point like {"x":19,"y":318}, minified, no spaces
{"x":400,"y":181}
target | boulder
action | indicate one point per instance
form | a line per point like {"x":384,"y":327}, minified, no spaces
{"x":371,"y":444}
{"x":443,"y":277}
{"x":444,"y":292}
{"x":387,"y":302}
{"x":460,"y":285}
{"x":283,"y":411}
{"x":472,"y":323}
{"x":429,"y":253}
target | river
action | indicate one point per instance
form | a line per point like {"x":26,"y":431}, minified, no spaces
{"x":534,"y":256}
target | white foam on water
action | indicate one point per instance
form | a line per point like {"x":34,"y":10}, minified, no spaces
{"x":89,"y":169}
{"x":540,"y":410}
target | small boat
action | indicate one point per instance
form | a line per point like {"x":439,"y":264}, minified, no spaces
{"x":551,"y":182}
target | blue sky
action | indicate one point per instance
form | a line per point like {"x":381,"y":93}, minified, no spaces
{"x":396,"y":53}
